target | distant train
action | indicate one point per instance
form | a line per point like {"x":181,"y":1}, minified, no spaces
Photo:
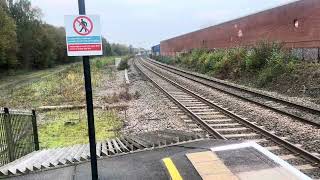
{"x":155,"y":50}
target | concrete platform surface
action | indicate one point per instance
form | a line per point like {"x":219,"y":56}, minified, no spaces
{"x":206,"y":159}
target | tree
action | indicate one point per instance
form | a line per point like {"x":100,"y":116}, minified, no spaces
{"x":8,"y":46}
{"x":27,"y":42}
{"x":43,"y":55}
{"x":54,"y":38}
{"x":27,"y":22}
{"x":107,"y":51}
{"x":4,"y":5}
{"x":119,"y":49}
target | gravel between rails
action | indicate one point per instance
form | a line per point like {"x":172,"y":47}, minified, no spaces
{"x":151,"y":111}
{"x":296,"y":132}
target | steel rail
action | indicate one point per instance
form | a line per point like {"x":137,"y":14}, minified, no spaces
{"x":203,"y":124}
{"x":288,"y":103}
{"x":287,"y":145}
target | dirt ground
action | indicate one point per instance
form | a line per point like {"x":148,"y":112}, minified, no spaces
{"x":147,"y":109}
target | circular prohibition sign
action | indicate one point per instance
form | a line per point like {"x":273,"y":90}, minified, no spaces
{"x":83,"y":25}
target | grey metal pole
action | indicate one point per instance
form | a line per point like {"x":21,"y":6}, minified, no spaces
{"x":9,"y":135}
{"x":35,"y":130}
{"x":90,"y":114}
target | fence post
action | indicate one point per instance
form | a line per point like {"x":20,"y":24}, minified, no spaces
{"x":35,"y":130}
{"x":9,"y":135}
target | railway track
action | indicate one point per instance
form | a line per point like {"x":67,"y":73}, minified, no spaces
{"x":206,"y":116}
{"x":294,"y":110}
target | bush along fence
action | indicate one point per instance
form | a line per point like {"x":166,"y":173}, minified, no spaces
{"x":18,"y":134}
{"x":263,"y":62}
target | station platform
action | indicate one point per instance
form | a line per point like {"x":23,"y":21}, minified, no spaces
{"x":203,"y":159}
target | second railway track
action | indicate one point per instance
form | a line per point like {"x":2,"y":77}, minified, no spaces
{"x":211,"y":118}
{"x":306,"y":114}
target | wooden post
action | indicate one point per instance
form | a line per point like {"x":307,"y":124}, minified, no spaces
{"x":9,"y":135}
{"x":35,"y":131}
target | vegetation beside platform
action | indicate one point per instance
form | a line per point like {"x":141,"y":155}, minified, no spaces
{"x":63,"y":87}
{"x":266,"y":65}
{"x":65,"y":128}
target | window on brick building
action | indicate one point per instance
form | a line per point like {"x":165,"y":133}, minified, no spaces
{"x":296,"y":23}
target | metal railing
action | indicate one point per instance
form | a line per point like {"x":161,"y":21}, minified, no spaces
{"x":18,"y":134}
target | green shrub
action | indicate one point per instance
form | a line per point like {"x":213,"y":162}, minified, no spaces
{"x":229,"y":63}
{"x":262,"y":63}
{"x":201,"y":63}
{"x":194,"y":58}
{"x":123,"y":64}
{"x":260,"y":53}
{"x":165,"y":59}
{"x":99,"y":64}
{"x":212,"y":59}
{"x":278,"y":63}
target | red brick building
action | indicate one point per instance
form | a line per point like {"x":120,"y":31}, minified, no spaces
{"x":296,"y":24}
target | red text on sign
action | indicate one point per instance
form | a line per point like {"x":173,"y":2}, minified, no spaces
{"x":84,"y":47}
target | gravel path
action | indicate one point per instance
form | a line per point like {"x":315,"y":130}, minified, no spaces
{"x":112,"y":83}
{"x":297,"y":132}
{"x":149,"y":109}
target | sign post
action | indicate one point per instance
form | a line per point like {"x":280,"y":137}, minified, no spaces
{"x":83,"y":38}
{"x":90,"y":115}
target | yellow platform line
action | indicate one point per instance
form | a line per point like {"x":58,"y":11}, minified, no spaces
{"x":173,"y":171}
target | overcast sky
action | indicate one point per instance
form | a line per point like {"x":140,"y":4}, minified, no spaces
{"x":144,"y":23}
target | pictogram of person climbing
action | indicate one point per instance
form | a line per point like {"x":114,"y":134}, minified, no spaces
{"x":83,"y":25}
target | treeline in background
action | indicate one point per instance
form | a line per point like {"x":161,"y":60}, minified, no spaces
{"x":26,"y":42}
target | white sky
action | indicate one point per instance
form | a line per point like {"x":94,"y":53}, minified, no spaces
{"x":144,"y":23}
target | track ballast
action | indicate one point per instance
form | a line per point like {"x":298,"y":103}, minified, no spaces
{"x":295,"y":110}
{"x":220,"y":123}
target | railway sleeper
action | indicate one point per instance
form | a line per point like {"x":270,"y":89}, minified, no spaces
{"x":232,"y":130}
{"x":194,"y":103}
{"x":288,"y":157}
{"x":273,"y":148}
{"x":187,"y":100}
{"x":188,"y":121}
{"x":197,"y":108}
{"x":212,"y":121}
{"x":207,"y":113}
{"x":245,"y":136}
{"x":225,"y":125}
{"x":213,"y":117}
{"x":260,"y":141}
{"x":306,"y":167}
{"x":198,"y":130}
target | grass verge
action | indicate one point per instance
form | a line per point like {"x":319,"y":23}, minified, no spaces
{"x":267,"y":65}
{"x":65,"y":128}
{"x":264,"y":62}
{"x":64,"y":87}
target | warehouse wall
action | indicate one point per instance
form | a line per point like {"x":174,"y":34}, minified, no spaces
{"x":296,"y":24}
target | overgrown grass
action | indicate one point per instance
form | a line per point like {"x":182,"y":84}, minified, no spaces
{"x":66,"y":128}
{"x":65,"y":87}
{"x":262,"y":63}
